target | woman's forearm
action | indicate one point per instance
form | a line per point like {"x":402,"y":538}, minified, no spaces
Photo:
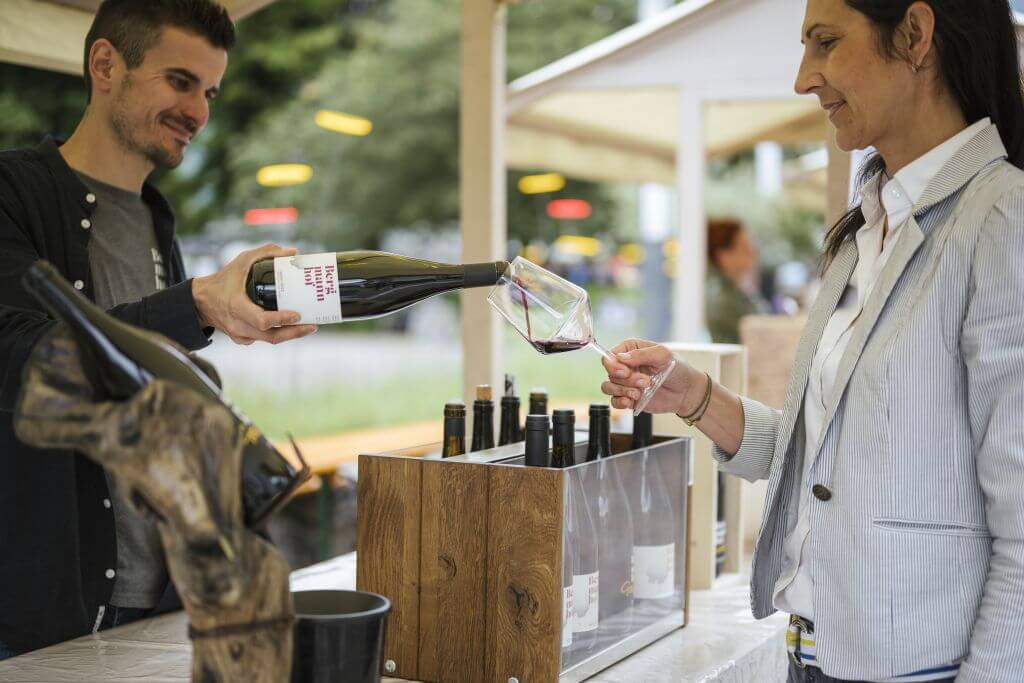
{"x":723,"y":420}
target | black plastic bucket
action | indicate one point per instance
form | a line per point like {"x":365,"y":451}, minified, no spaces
{"x":339,"y":636}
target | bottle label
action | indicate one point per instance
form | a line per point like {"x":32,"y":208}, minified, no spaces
{"x":566,"y":616}
{"x":584,"y":602}
{"x":308,"y":284}
{"x":654,"y":571}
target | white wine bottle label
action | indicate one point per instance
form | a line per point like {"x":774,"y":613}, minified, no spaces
{"x":584,"y":602}
{"x":567,"y":616}
{"x":654,"y":570}
{"x":308,"y":284}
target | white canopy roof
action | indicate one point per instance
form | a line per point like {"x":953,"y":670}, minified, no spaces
{"x":611,"y":111}
{"x":49,"y":34}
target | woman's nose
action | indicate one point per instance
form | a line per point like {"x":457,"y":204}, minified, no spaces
{"x":808,"y":79}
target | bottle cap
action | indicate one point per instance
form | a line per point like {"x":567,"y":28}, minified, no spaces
{"x":455,"y":409}
{"x":537,"y":422}
{"x":483,"y":392}
{"x":538,"y":392}
{"x":600,"y":409}
{"x":510,"y":385}
{"x":563,"y":417}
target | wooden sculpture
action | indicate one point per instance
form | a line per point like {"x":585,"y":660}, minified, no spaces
{"x":177,"y":457}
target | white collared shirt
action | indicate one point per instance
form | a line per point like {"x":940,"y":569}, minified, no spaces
{"x":885,"y":214}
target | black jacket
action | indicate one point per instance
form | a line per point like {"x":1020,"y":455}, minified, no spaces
{"x":57,"y":537}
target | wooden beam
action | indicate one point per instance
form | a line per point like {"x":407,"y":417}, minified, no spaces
{"x":688,"y":292}
{"x":482,"y":182}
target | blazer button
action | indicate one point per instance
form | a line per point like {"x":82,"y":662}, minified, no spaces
{"x":821,"y":492}
{"x":79,"y":285}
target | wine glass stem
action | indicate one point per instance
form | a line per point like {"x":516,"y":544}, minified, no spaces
{"x":603,"y":351}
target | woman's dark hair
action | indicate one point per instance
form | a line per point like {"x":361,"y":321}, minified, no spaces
{"x":722,"y":234}
{"x":976,"y":47}
{"x":134,"y":26}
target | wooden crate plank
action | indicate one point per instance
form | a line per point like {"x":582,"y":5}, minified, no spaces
{"x":453,"y":572}
{"x":524,"y":559}
{"x":388,"y":550}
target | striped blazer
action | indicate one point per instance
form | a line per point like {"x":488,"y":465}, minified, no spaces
{"x":918,"y":555}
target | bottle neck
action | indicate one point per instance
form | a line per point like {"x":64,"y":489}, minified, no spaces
{"x":562,"y":448}
{"x":454,"y":436}
{"x":537,"y":448}
{"x":599,"y":444}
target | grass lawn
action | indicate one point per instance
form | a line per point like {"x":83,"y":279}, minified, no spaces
{"x":419,"y":395}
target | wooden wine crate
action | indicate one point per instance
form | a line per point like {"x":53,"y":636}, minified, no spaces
{"x":469,"y":551}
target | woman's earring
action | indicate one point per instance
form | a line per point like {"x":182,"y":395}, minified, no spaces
{"x":915,"y":67}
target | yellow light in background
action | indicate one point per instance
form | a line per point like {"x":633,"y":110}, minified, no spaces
{"x":669,"y":266}
{"x":577,"y":244}
{"x":632,"y":253}
{"x":340,"y":122}
{"x":280,"y":175}
{"x":539,"y":184}
{"x":670,"y":249}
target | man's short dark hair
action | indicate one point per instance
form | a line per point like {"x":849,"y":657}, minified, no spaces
{"x":134,"y":26}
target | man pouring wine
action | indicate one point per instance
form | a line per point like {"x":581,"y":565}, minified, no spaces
{"x":73,"y":557}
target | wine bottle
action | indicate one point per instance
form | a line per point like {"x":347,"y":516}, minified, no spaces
{"x":563,"y":426}
{"x":454,"y":429}
{"x":537,"y":427}
{"x":720,"y":528}
{"x":568,"y":563}
{"x":538,"y":402}
{"x":654,"y":549}
{"x":119,"y":359}
{"x":586,"y":577}
{"x":614,"y":529}
{"x":483,"y":419}
{"x":643,"y":430}
{"x":510,"y":431}
{"x":355,"y":285}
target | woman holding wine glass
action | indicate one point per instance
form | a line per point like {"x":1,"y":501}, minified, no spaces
{"x":893,"y":530}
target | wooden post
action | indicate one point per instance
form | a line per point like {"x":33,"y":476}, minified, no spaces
{"x":726,"y":363}
{"x":688,"y":294}
{"x":482,"y":181}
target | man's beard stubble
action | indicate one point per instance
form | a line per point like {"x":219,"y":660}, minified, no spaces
{"x":127,"y":133}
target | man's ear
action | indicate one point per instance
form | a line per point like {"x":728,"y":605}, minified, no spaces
{"x":104,"y":64}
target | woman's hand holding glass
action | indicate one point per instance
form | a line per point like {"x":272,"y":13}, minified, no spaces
{"x":638,"y":361}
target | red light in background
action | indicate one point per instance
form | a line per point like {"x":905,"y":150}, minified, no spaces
{"x":271,"y":216}
{"x":569,"y":209}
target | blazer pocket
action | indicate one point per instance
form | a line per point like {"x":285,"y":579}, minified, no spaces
{"x":940,"y":528}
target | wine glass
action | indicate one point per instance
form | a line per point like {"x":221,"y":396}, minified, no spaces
{"x":554,"y":315}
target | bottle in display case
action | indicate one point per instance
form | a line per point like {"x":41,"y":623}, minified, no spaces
{"x":720,"y":527}
{"x":654,"y":550}
{"x":509,"y":431}
{"x":454,"y":429}
{"x":483,"y":419}
{"x":537,"y":429}
{"x":614,"y":526}
{"x":583,"y":541}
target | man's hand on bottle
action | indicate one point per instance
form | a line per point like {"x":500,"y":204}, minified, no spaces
{"x":639,"y":360}
{"x":222,"y":303}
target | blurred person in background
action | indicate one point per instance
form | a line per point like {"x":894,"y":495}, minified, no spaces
{"x":74,"y":557}
{"x":893,"y":531}
{"x":731,"y":290}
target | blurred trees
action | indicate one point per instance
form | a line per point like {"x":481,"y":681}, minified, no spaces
{"x":403,"y":75}
{"x":395,"y":62}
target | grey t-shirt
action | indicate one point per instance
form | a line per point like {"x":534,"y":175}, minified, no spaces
{"x":126,"y":266}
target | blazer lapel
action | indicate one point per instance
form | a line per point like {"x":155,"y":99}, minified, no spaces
{"x":910,"y":239}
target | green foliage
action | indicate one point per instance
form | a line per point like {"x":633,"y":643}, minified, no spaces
{"x":35,"y":103}
{"x":403,"y":74}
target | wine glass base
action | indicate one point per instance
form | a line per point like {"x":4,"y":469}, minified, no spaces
{"x":652,"y":388}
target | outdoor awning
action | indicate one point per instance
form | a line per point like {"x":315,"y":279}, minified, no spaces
{"x":611,"y":111}
{"x":50,"y":34}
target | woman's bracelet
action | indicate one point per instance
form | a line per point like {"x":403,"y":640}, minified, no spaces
{"x":694,"y":417}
